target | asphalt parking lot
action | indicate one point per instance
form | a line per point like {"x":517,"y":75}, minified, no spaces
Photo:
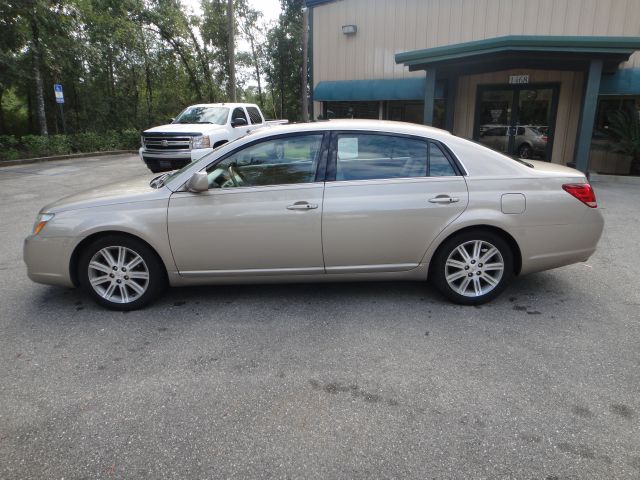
{"x":381,"y":380}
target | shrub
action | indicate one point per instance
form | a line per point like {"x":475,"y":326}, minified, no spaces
{"x":30,"y":146}
{"x":35,"y":145}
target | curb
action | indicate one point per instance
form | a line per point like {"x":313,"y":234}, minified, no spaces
{"x":25,"y":161}
{"x":628,"y":180}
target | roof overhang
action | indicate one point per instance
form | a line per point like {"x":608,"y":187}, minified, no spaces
{"x":522,"y":51}
{"x":372,"y":90}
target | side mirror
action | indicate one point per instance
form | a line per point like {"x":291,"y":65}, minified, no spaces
{"x":172,"y":119}
{"x":239,"y":122}
{"x":199,"y":182}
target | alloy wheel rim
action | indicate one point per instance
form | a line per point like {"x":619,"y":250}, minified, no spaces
{"x":118,"y":274}
{"x":474,"y":268}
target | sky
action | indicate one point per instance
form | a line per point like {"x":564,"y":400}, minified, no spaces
{"x":270,"y":8}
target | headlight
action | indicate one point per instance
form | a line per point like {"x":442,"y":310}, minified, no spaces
{"x":200,"y":142}
{"x":41,"y":221}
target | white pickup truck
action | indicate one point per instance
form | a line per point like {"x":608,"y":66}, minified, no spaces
{"x":197,"y":131}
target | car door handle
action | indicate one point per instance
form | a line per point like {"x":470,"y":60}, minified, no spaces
{"x":444,"y":199}
{"x":302,"y":206}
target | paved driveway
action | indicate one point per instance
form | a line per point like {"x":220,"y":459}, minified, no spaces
{"x":319,"y":381}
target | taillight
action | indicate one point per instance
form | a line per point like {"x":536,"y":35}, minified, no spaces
{"x":583,"y":192}
{"x":545,"y":139}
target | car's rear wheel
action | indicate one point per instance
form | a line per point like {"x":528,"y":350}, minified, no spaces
{"x":473,"y":267}
{"x":121,"y":272}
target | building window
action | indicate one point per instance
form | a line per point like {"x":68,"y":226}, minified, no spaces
{"x":368,"y":110}
{"x":412,"y":111}
{"x":609,"y":104}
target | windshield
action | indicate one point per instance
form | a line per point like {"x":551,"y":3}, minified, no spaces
{"x":217,"y":115}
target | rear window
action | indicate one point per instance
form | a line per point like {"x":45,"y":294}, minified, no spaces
{"x":254,"y":115}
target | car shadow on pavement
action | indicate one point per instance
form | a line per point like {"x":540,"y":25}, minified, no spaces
{"x":532,"y":295}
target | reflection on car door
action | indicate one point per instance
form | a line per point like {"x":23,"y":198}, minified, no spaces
{"x":261,"y":214}
{"x":388,"y":198}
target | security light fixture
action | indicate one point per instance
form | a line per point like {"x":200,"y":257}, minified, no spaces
{"x":349,"y":29}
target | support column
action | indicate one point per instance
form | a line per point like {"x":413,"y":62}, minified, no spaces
{"x":429,"y":96}
{"x":452,"y":90}
{"x":588,"y":115}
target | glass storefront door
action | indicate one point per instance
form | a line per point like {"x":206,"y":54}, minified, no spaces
{"x":517,"y":120}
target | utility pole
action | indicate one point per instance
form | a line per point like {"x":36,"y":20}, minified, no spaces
{"x":231,"y":51}
{"x":305,"y":53}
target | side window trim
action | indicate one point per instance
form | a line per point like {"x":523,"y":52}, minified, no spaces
{"x":453,"y":160}
{"x":321,"y":166}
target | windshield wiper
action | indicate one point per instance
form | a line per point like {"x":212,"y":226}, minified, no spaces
{"x":205,"y":122}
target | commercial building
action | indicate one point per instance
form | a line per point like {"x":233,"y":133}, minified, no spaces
{"x":533,"y":78}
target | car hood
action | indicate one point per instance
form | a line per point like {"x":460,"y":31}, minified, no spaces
{"x":185,"y":128}
{"x":134,"y":189}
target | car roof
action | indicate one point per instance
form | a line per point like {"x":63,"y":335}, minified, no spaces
{"x":228,"y":105}
{"x":358,"y":124}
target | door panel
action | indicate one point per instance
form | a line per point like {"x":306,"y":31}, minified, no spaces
{"x":261,"y":215}
{"x":381,"y":210}
{"x":386,"y":225}
{"x":230,"y":230}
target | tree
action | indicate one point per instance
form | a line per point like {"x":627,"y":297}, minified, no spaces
{"x":248,"y":21}
{"x":285,"y":60}
{"x":231,"y":21}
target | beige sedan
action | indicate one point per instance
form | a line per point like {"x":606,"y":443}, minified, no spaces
{"x":331,"y":201}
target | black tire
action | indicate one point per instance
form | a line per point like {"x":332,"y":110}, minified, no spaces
{"x":152,"y":266}
{"x":525,"y":151}
{"x":440,"y":269}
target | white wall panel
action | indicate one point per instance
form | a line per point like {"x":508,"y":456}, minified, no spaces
{"x":386,"y":27}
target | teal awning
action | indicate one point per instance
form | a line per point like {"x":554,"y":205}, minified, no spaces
{"x":623,"y":82}
{"x":371,"y":90}
{"x":522,"y":51}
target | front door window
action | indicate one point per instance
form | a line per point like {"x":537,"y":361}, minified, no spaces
{"x":517,"y":121}
{"x":280,"y":161}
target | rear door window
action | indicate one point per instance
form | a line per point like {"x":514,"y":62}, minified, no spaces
{"x":363,"y":156}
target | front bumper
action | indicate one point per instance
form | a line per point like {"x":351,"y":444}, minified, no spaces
{"x":162,"y":160}
{"x":48,"y":259}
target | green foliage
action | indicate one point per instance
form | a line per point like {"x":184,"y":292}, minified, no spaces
{"x":625,"y":129}
{"x":285,"y":63}
{"x":133,"y":64}
{"x":30,"y":146}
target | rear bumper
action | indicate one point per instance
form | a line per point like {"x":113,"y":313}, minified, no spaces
{"x":552,"y":246}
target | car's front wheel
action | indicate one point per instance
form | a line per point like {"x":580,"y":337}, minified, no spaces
{"x":473,"y":267}
{"x":121,"y":272}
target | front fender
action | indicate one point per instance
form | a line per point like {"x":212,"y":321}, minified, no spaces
{"x":145,"y":220}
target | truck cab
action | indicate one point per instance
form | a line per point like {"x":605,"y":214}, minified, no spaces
{"x":196,"y":132}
